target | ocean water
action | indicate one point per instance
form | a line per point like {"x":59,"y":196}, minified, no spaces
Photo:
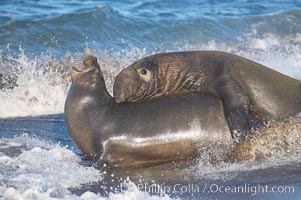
{"x":41,"y":40}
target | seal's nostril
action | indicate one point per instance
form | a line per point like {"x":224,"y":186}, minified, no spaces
{"x":119,"y":99}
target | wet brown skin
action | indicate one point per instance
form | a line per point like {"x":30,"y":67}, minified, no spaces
{"x":251,"y":93}
{"x":142,"y":133}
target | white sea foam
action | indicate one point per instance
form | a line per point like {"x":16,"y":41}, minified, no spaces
{"x":277,"y":145}
{"x":282,"y":54}
{"x":48,"y":170}
{"x":44,"y":171}
{"x":41,"y":86}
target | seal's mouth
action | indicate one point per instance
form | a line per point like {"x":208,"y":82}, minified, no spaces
{"x":89,"y":66}
{"x":83,"y":63}
{"x":85,"y":68}
{"x":75,"y":69}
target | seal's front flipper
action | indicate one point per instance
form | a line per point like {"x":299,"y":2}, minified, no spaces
{"x":236,"y":107}
{"x":238,"y":122}
{"x":101,"y":164}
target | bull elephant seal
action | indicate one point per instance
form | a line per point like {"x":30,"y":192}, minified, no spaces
{"x":251,"y":93}
{"x":141,"y":133}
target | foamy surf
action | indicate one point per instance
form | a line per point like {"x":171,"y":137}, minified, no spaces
{"x":44,"y":170}
{"x":277,"y":144}
{"x":41,"y":85}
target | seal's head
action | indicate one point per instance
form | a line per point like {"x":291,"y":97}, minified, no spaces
{"x":89,"y":75}
{"x":137,"y":81}
{"x":159,"y":75}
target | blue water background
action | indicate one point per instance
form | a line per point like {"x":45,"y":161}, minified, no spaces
{"x":69,"y":26}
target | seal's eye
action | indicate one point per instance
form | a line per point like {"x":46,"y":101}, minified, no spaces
{"x":143,"y":71}
{"x":145,"y":74}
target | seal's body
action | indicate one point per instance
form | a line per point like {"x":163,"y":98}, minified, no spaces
{"x":139,"y":133}
{"x":251,"y":93}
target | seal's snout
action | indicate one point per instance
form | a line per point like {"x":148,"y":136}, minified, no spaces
{"x":126,"y":85}
{"x":119,"y":98}
{"x":90,"y":62}
{"x":121,"y":90}
{"x":75,"y":69}
{"x":87,"y":71}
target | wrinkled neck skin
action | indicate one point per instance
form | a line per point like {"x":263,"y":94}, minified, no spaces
{"x":177,"y":74}
{"x":173,"y":79}
{"x":148,"y":90}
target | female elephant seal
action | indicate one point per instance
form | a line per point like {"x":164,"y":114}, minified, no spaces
{"x":251,"y":93}
{"x":141,"y":133}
